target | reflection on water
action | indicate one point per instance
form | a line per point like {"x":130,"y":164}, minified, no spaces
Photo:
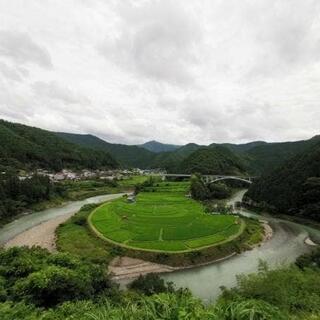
{"x":28,"y":221}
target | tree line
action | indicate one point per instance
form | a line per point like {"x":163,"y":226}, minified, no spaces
{"x":17,"y":195}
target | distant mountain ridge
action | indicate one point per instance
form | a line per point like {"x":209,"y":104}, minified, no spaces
{"x":157,"y":147}
{"x":256,"y":157}
{"x":24,"y":146}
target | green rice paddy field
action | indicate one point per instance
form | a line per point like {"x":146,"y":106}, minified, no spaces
{"x":163,"y":219}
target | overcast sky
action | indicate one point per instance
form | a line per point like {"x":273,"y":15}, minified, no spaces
{"x":174,"y":71}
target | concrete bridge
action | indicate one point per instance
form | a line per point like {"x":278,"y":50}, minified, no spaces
{"x":208,"y":178}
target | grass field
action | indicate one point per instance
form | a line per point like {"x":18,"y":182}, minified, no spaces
{"x":163,"y":219}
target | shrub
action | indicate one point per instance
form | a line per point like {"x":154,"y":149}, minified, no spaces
{"x":45,"y":279}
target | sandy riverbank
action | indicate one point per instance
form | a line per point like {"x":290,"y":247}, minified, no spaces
{"x":42,"y":235}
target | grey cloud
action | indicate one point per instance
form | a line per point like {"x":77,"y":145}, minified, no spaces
{"x":54,"y":90}
{"x":157,"y":41}
{"x":15,"y":106}
{"x":9,"y":72}
{"x":21,"y":48}
{"x":172,"y":70}
{"x":285,"y":36}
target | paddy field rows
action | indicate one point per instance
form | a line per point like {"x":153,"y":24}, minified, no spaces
{"x":163,"y":218}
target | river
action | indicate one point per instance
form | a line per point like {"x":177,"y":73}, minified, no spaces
{"x":285,"y":246}
{"x":28,"y":221}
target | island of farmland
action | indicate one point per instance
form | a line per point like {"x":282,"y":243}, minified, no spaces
{"x":163,"y":219}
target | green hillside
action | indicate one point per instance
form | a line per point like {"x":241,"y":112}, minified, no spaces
{"x":213,"y":160}
{"x":128,"y":156}
{"x":243,"y":147}
{"x":25,"y":147}
{"x":171,"y":161}
{"x":292,"y":188}
{"x":266,"y":157}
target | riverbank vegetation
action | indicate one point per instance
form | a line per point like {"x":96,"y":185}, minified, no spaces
{"x":74,"y":236}
{"x":38,"y":285}
{"x":18,"y":195}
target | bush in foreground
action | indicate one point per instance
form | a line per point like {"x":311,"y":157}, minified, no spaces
{"x":44,"y":279}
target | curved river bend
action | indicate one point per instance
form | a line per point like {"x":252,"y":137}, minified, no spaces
{"x":28,"y":221}
{"x":285,"y":246}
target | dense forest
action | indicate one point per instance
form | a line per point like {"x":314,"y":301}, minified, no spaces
{"x":35,"y":284}
{"x":24,"y":147}
{"x":18,"y":195}
{"x":292,"y":188}
{"x":213,"y":160}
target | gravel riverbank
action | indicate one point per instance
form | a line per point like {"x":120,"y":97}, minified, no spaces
{"x":42,"y":235}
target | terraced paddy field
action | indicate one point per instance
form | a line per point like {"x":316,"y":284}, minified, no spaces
{"x":163,"y":219}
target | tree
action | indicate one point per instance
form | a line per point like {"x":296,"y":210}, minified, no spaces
{"x":198,"y":189}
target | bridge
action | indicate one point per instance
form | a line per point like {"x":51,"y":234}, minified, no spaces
{"x":208,"y":178}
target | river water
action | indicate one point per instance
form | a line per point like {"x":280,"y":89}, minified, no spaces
{"x":28,"y":221}
{"x":285,"y":246}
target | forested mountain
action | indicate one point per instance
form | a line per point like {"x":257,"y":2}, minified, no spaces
{"x":213,"y":160}
{"x":171,"y":161}
{"x":25,"y":147}
{"x":28,"y":147}
{"x":294,"y":187}
{"x":256,"y":157}
{"x":157,"y":147}
{"x":128,"y":156}
{"x":266,"y":157}
{"x":261,"y":157}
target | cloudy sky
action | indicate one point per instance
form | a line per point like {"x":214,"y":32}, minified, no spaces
{"x":175,"y":71}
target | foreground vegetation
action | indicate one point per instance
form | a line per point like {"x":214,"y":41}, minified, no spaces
{"x":38,"y":285}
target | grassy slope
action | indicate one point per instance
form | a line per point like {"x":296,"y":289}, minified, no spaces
{"x":75,"y":238}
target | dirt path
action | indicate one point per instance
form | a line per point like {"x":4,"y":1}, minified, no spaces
{"x":42,"y":235}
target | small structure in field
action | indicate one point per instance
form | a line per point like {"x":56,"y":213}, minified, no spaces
{"x":131,"y":198}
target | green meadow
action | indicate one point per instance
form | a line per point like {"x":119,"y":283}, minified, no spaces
{"x":163,"y":218}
